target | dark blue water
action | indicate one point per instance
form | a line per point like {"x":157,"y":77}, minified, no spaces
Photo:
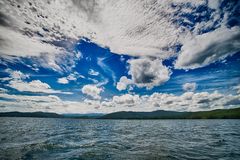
{"x":36,"y":138}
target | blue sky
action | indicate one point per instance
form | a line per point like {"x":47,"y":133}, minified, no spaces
{"x":109,"y":56}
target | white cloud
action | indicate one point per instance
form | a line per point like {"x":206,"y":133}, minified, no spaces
{"x":92,"y":90}
{"x":213,"y":4}
{"x":148,"y":73}
{"x":106,"y":68}
{"x":145,"y":72}
{"x":73,"y":77}
{"x":126,"y":100}
{"x":123,"y":83}
{"x":35,"y":86}
{"x":70,"y":77}
{"x":17,"y":81}
{"x":208,"y":48}
{"x":49,"y":98}
{"x":15,"y":43}
{"x":93,"y":73}
{"x":63,"y":80}
{"x":189,"y":86}
{"x":18,"y":75}
{"x":92,"y":103}
{"x":50,"y":103}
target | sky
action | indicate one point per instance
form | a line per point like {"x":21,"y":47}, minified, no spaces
{"x":103,"y":56}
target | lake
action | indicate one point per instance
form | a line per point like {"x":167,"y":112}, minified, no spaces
{"x":50,"y":138}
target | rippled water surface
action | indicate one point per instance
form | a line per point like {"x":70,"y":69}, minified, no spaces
{"x":36,"y":138}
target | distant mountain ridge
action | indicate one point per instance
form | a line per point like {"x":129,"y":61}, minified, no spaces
{"x":159,"y":114}
{"x":49,"y":115}
{"x":31,"y":114}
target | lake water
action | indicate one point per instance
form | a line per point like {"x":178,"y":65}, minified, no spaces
{"x":46,"y":138}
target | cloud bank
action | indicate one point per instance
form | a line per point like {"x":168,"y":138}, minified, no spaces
{"x":188,"y":101}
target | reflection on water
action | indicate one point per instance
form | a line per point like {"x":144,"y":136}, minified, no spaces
{"x":36,"y":138}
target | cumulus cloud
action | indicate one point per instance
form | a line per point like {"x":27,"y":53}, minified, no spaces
{"x":92,"y":90}
{"x":189,"y":86}
{"x":126,"y":99}
{"x":123,"y":83}
{"x":93,"y":73}
{"x":148,"y":73}
{"x":74,"y":76}
{"x":145,"y":72}
{"x":207,"y":48}
{"x":70,"y":77}
{"x":63,"y":80}
{"x":15,"y":75}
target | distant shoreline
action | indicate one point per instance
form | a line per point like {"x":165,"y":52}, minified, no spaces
{"x":155,"y":115}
